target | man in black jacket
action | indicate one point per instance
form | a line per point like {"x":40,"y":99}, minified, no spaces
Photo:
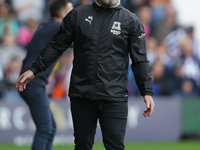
{"x":35,"y":95}
{"x":104,"y":35}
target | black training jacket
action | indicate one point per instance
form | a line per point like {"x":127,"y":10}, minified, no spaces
{"x":103,"y":40}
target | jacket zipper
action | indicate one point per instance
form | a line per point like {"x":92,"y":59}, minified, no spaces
{"x":96,"y":54}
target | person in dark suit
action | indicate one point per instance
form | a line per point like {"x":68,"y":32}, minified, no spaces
{"x":35,"y":95}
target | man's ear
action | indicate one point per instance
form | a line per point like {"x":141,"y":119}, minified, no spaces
{"x":63,"y":14}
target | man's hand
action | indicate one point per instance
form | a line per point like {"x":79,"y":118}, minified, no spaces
{"x":149,"y":104}
{"x":24,"y":79}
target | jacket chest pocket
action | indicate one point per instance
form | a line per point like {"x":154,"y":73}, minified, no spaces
{"x":85,"y":29}
{"x":119,"y":38}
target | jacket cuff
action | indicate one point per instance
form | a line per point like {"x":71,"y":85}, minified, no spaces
{"x":34,"y":70}
{"x":151,"y":93}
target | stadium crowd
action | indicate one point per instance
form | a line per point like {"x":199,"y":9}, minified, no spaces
{"x":172,"y":49}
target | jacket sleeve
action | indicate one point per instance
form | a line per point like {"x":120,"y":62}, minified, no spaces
{"x":60,"y":42}
{"x":140,"y":64}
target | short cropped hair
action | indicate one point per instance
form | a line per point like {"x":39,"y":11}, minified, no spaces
{"x":57,"y":6}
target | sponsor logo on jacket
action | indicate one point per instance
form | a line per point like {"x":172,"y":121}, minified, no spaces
{"x":89,"y":19}
{"x":142,"y":36}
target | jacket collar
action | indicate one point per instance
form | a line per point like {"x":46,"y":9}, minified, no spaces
{"x":117,"y":6}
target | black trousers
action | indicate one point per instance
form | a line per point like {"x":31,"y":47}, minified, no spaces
{"x":38,"y":102}
{"x":112,"y":118}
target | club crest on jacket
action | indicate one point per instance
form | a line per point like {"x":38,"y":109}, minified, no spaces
{"x":116,"y":28}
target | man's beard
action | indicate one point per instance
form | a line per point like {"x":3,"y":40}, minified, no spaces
{"x":108,"y":3}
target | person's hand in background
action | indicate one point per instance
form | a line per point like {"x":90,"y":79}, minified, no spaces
{"x":24,"y":79}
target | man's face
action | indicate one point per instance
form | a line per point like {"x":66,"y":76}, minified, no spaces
{"x":109,"y":2}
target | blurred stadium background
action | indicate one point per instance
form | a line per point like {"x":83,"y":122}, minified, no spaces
{"x":172,"y":32}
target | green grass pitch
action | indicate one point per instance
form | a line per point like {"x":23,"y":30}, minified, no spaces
{"x":185,"y":145}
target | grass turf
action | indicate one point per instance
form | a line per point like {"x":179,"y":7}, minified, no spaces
{"x":185,"y":145}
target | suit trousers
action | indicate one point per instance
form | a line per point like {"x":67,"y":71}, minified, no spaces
{"x":38,"y":102}
{"x":112,"y":117}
